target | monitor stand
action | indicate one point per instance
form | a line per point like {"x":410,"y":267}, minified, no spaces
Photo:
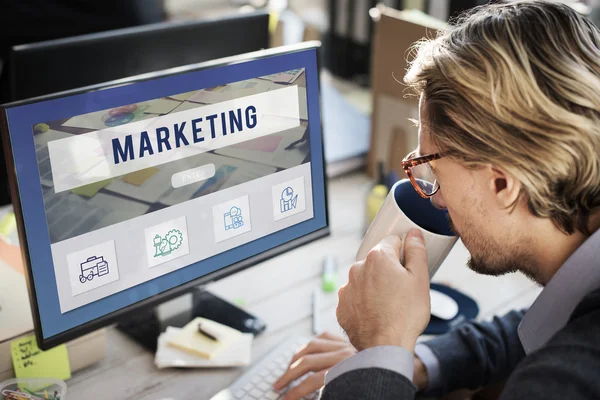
{"x":146,"y":325}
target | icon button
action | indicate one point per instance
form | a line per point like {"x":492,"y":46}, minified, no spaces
{"x":231,"y":218}
{"x":288,"y":198}
{"x":92,"y":267}
{"x":288,"y":201}
{"x":166,"y":241}
{"x":167,"y":244}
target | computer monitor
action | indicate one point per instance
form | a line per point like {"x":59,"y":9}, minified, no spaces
{"x":56,"y":65}
{"x":130,"y":193}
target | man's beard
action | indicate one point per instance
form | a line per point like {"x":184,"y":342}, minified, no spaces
{"x":488,"y":258}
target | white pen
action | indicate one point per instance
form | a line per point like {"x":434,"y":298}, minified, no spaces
{"x":316,"y":307}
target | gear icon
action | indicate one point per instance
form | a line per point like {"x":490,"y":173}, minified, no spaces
{"x":175,"y":238}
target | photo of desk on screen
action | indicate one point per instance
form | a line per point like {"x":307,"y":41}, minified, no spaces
{"x":105,"y":202}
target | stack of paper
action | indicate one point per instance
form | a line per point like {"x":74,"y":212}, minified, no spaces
{"x":186,"y":347}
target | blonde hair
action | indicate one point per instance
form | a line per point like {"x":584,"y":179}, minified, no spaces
{"x":517,"y":85}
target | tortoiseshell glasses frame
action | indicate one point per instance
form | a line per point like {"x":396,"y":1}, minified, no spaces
{"x":428,"y":188}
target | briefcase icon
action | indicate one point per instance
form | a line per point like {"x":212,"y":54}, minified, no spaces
{"x":93,"y":266}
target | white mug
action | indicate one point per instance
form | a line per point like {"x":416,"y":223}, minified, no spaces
{"x":403,"y":210}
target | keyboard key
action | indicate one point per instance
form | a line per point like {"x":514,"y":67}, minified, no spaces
{"x":264,"y":373}
{"x":271,"y":379}
{"x":257,"y":394}
{"x":264,"y":386}
{"x":256,"y":379}
{"x":273,"y":367}
{"x":272,"y":396}
{"x":240,"y":394}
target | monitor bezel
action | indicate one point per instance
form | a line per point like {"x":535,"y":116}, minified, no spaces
{"x":155,"y":300}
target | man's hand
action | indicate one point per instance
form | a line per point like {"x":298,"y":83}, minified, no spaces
{"x":385,"y":303}
{"x":316,"y":358}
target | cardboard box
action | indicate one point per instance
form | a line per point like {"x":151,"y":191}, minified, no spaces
{"x":392,"y":134}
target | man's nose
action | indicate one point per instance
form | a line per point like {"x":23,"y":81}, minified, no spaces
{"x":438,"y":200}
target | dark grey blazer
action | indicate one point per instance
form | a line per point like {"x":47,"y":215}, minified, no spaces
{"x":478,"y":354}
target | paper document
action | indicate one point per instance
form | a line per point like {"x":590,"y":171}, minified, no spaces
{"x":238,"y":354}
{"x":191,"y":341}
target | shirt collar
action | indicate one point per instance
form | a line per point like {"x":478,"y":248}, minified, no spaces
{"x":550,"y":312}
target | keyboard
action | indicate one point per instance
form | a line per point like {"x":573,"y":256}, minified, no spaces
{"x":257,"y":382}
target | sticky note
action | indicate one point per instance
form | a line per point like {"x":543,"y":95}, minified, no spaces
{"x":8,"y":224}
{"x":161,"y":106}
{"x":273,"y":21}
{"x":138,"y":178}
{"x":91,"y":189}
{"x":31,"y":362}
{"x":183,"y":96}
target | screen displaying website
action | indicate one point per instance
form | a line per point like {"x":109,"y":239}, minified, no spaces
{"x":137,"y":191}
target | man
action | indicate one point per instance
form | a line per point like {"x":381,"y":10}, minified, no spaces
{"x":510,"y":109}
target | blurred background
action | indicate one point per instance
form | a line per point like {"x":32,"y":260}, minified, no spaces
{"x":47,"y":46}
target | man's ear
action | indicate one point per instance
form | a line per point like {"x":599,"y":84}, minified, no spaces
{"x":504,"y":186}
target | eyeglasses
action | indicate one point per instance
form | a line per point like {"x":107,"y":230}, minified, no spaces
{"x":421,"y":174}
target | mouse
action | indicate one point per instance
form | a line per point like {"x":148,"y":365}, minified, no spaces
{"x":442,"y":305}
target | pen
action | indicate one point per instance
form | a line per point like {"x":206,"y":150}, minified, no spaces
{"x":204,"y":332}
{"x":315,"y":312}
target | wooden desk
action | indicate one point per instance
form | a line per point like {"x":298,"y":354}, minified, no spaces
{"x":279,"y":291}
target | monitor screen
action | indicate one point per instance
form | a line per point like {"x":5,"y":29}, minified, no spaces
{"x":132,"y":191}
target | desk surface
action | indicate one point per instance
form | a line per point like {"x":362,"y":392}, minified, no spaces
{"x":284,"y":302}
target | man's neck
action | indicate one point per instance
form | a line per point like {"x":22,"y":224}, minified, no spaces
{"x":551,"y":248}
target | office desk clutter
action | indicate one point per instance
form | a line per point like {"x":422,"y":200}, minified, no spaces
{"x":203,"y":343}
{"x":33,"y":389}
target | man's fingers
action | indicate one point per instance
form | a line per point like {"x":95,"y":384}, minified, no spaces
{"x":390,"y":244}
{"x":312,"y":383}
{"x":319,"y":345}
{"x":308,"y":363}
{"x":415,"y":254}
{"x":332,"y":336}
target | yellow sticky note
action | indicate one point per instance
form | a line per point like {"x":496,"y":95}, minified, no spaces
{"x":8,"y":224}
{"x":91,"y":189}
{"x":31,"y":362}
{"x":138,"y":178}
{"x":273,"y":20}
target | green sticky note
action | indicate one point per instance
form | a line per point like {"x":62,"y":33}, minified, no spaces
{"x":91,"y":189}
{"x":31,"y":362}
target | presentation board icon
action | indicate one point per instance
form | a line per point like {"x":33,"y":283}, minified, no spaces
{"x":288,"y":200}
{"x":93,"y":266}
{"x":165,"y":245}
